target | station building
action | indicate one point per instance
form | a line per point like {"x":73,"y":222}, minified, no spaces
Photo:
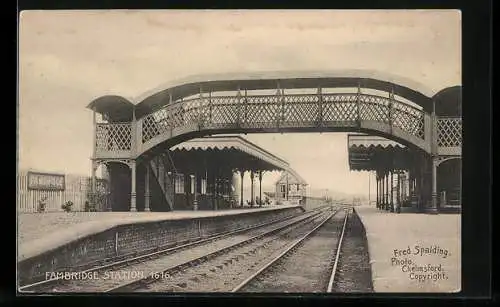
{"x":291,"y":188}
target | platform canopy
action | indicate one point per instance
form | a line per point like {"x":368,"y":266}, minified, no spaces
{"x":233,"y":152}
{"x":372,"y":153}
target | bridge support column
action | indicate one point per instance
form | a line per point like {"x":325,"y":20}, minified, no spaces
{"x":252,"y":201}
{"x":433,"y":208}
{"x":133,"y":193}
{"x":93,"y":183}
{"x":419,"y":190}
{"x":147,"y":195}
{"x":111,"y":189}
{"x":376,"y":183}
{"x":93,"y":177}
{"x":242,"y":175}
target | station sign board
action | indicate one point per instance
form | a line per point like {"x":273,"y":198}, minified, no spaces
{"x":46,"y":181}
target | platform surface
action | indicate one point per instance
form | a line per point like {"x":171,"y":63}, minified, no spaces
{"x":40,"y":232}
{"x":387,"y":232}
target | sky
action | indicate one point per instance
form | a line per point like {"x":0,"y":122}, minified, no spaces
{"x":69,"y":58}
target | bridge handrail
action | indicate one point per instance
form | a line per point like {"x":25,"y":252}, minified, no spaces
{"x":228,"y":109}
{"x":397,"y":104}
{"x":457,"y":118}
{"x":192,"y":105}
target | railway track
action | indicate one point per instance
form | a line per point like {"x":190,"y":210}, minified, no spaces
{"x":112,"y":276}
{"x":317,"y":252}
{"x":221,"y":271}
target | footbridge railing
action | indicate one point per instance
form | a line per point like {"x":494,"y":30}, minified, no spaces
{"x":282,"y":111}
{"x":277,"y":113}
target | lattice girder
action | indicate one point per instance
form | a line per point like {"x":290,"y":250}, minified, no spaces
{"x":284,"y":109}
{"x":449,"y":132}
{"x":113,"y":137}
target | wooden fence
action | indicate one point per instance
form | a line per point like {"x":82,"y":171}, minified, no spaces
{"x":76,"y":189}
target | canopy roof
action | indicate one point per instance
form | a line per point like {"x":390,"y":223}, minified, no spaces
{"x":370,"y":153}
{"x":449,"y":101}
{"x":235,"y":150}
{"x":368,"y":141}
{"x":116,"y":108}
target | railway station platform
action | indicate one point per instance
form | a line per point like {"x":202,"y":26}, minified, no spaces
{"x":38,"y":233}
{"x":50,"y":242}
{"x":413,"y":252}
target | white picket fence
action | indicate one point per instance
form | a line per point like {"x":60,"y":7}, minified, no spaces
{"x":76,"y":189}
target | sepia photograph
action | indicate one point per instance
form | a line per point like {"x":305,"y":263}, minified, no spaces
{"x":239,"y":151}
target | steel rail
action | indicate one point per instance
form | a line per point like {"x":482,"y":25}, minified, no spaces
{"x":150,"y":279}
{"x":282,"y":254}
{"x":337,"y":256}
{"x":163,"y":252}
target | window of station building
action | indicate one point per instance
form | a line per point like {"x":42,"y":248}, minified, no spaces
{"x":179,"y":184}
